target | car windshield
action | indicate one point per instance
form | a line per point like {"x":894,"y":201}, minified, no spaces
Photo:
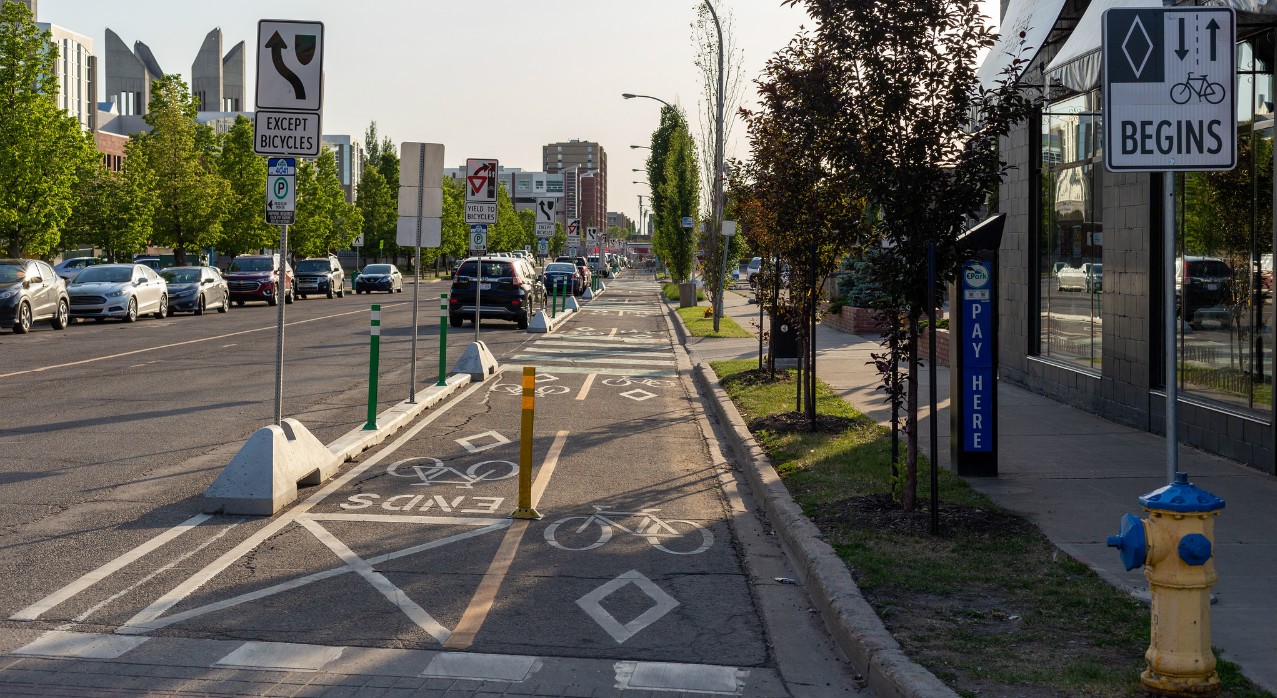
{"x":312,"y":265}
{"x":12,"y":272}
{"x":181,"y":276}
{"x":377,"y":269}
{"x":560,"y":267}
{"x":1207,"y":267}
{"x":253,"y":264}
{"x":594,"y":260}
{"x":113,"y":275}
{"x":490,"y":269}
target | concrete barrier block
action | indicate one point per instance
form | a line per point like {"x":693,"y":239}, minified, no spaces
{"x":571,"y":304}
{"x":477,"y":361}
{"x":588,"y":295}
{"x":262,"y":478}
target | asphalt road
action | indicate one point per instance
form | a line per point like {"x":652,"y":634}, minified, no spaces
{"x":646,"y":557}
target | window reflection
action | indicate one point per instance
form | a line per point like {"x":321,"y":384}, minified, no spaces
{"x":1072,"y":244}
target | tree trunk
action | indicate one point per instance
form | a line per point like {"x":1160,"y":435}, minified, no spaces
{"x":910,"y":495}
{"x":179,"y":256}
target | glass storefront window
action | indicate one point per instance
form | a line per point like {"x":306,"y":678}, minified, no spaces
{"x":1071,"y":269}
{"x":1224,"y":268}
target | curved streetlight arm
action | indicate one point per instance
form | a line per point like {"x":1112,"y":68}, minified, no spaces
{"x":628,"y":95}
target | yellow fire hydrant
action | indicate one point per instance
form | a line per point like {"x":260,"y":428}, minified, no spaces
{"x":1176,"y":547}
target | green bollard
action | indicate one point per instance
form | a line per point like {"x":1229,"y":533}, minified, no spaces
{"x":443,"y":339}
{"x":554,"y":299}
{"x":374,"y":358}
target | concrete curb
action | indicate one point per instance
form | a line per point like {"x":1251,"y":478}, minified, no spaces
{"x":852,"y":622}
{"x":358,"y":440}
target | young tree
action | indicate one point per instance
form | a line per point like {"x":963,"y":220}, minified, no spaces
{"x":245,"y":229}
{"x":42,"y":149}
{"x":321,"y":202}
{"x":679,"y":198}
{"x":193,"y":197}
{"x":456,"y":234}
{"x":507,"y":234}
{"x":671,"y":119}
{"x":114,"y":210}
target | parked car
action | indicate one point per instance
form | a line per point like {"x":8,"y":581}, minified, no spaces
{"x":755,"y":265}
{"x":1070,"y":279}
{"x":68,"y":268}
{"x":379,"y":277}
{"x":254,"y":277}
{"x":1094,"y":273}
{"x":155,"y":263}
{"x":583,"y":266}
{"x":30,"y":291}
{"x":1202,"y":283}
{"x":564,"y":273}
{"x":599,"y":266}
{"x":196,"y":289}
{"x":125,"y":291}
{"x":507,"y":289}
{"x":321,"y":275}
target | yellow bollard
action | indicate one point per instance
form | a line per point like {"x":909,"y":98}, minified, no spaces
{"x":525,"y":510}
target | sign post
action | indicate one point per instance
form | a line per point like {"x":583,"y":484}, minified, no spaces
{"x":1169,"y":107}
{"x":420,"y":220}
{"x":481,"y":211}
{"x":289,"y":111}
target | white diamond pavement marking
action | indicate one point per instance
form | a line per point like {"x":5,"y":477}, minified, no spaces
{"x":71,"y":645}
{"x":638,"y":395}
{"x":469,"y":444}
{"x":482,"y":667}
{"x":591,"y":603}
{"x":691,"y":678}
{"x":280,"y":656}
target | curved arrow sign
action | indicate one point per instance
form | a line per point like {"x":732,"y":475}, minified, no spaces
{"x":290,"y":65}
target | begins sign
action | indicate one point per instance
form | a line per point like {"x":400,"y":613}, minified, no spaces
{"x":1168,"y":89}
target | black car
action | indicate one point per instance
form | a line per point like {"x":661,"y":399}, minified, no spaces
{"x":30,"y":291}
{"x":320,"y":275}
{"x":1202,"y":284}
{"x":583,"y":267}
{"x":196,"y":289}
{"x":507,"y":290}
{"x":379,"y":277}
{"x":565,"y":275}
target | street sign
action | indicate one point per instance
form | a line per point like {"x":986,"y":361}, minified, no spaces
{"x":286,"y":133}
{"x":281,"y":191}
{"x":574,"y":226}
{"x":543,"y":246}
{"x":729,"y":228}
{"x":546,"y":215}
{"x":591,"y":235}
{"x":1168,"y":89}
{"x":687,"y":222}
{"x":359,"y":241}
{"x":574,"y":240}
{"x":431,"y":232}
{"x":572,"y":251}
{"x":479,"y":237}
{"x":290,"y":65}
{"x":481,"y":191}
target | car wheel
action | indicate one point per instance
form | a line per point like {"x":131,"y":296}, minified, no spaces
{"x":523,"y":321}
{"x":341,"y":292}
{"x":288,"y":297}
{"x":456,"y":320}
{"x":272,"y":301}
{"x":399,"y":290}
{"x":62,"y":317}
{"x":199,"y":305}
{"x":331,"y":293}
{"x":99,"y":319}
{"x":22,"y":323}
{"x":241,"y":303}
{"x":130,"y":315}
{"x":163,"y":311}
{"x":226,"y":304}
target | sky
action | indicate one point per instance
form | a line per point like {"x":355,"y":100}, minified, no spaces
{"x":497,"y":78}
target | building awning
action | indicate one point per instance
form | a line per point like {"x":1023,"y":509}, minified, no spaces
{"x":1034,"y":18}
{"x":1077,"y":65}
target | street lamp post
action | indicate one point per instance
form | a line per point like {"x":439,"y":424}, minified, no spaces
{"x":717,"y":208}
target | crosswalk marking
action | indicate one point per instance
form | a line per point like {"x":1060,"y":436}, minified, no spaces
{"x":546,"y":358}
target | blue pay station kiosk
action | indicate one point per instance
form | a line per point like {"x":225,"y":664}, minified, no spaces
{"x":973,"y":352}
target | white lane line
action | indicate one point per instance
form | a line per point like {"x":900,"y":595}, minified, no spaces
{"x":145,"y":619}
{"x":613,"y":332}
{"x":585,"y":389}
{"x":543,"y":359}
{"x":607,"y":339}
{"x":609,"y":371}
{"x":316,"y":577}
{"x":379,"y":582}
{"x":42,"y":606}
{"x":96,"y":607}
{"x":596,"y":350}
{"x":177,"y":344}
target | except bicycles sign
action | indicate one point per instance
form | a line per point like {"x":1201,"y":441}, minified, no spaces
{"x":1168,"y":89}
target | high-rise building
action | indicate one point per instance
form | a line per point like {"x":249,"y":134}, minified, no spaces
{"x":584,"y":165}
{"x":217,"y":81}
{"x":350,"y":162}
{"x":77,"y":72}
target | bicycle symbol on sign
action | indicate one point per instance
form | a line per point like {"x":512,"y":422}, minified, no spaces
{"x":623,"y":382}
{"x":674,"y":536}
{"x":1201,"y":86}
{"x":432,"y":471}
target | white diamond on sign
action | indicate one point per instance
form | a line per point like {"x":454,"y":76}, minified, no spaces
{"x":290,"y":65}
{"x":1168,"y":89}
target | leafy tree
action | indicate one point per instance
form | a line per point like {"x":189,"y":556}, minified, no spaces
{"x":193,"y":198}
{"x":42,"y":149}
{"x":671,"y":119}
{"x":379,"y":199}
{"x":320,"y":203}
{"x":508,"y":233}
{"x":245,"y":228}
{"x":456,"y":234}
{"x":559,"y":241}
{"x":114,"y":210}
{"x":679,"y":198}
{"x":528,"y":222}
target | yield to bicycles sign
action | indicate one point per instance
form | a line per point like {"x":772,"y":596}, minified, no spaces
{"x":1169,"y":101}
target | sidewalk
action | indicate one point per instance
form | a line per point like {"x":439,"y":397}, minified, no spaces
{"x":1074,"y":475}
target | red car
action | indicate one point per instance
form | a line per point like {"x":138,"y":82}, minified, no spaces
{"x":253,"y":277}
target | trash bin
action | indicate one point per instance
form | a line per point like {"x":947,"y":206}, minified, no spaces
{"x":687,"y":295}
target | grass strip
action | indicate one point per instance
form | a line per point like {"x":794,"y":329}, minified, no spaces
{"x":990,"y":606}
{"x":670,"y":290}
{"x":700,"y":326}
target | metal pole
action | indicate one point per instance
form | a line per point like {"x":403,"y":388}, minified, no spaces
{"x":416,"y":264}
{"x":717,"y":208}
{"x":281,"y":274}
{"x":374,"y":359}
{"x":478,"y":289}
{"x":443,"y":339}
{"x":1168,"y":314}
{"x":934,"y":418}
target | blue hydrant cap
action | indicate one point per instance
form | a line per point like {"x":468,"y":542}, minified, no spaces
{"x":1181,"y":496}
{"x":1131,"y":544}
{"x":1194,"y":549}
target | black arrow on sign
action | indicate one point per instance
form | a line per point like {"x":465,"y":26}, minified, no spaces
{"x":277,"y":47}
{"x":1181,"y":51}
{"x":1213,"y":28}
